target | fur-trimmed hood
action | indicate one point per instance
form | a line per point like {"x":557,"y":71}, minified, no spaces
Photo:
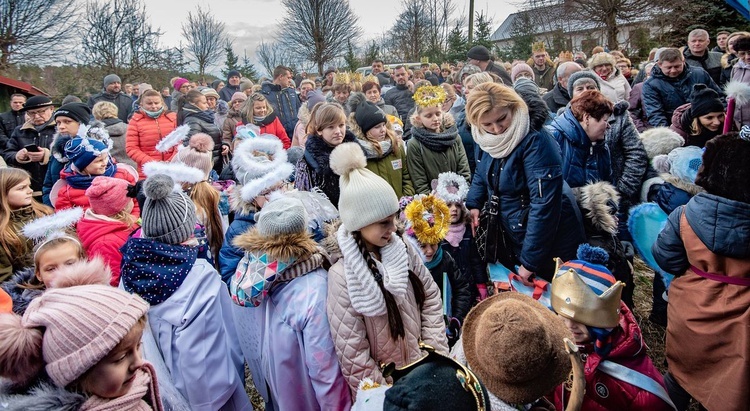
{"x":21,"y":296}
{"x":596,"y":201}
{"x":538,"y":111}
{"x":690,"y":188}
{"x":281,"y":247}
{"x":329,"y":242}
{"x":238,"y":204}
{"x":303,"y":114}
{"x":58,"y":146}
{"x":43,"y":396}
{"x":660,"y":140}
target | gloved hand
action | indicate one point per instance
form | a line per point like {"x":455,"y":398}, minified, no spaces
{"x":483,"y":294}
{"x":453,"y":330}
{"x":628,"y":249}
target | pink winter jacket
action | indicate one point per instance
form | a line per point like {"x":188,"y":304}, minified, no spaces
{"x":362,"y":343}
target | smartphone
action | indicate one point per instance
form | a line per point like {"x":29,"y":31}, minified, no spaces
{"x":32,"y":148}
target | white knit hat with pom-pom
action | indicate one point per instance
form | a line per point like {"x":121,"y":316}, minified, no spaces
{"x":365,"y":197}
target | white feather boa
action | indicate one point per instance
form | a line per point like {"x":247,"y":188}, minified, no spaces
{"x":179,"y":172}
{"x":172,"y":139}
{"x":257,"y":173}
{"x":53,"y":225}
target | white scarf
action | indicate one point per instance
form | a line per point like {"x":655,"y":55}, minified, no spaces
{"x":364,"y":293}
{"x":501,"y":145}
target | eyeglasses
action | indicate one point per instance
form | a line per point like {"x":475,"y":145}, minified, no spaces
{"x":38,"y":113}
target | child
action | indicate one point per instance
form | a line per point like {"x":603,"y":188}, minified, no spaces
{"x":386,"y":154}
{"x":88,"y":158}
{"x":459,"y":240}
{"x":382,"y":301}
{"x":587,"y":297}
{"x":78,"y":347}
{"x":258,"y":111}
{"x":17,"y":208}
{"x":435,"y":147}
{"x":106,"y":226}
{"x":675,"y":185}
{"x":427,"y":219}
{"x":234,"y":116}
{"x":326,"y":130}
{"x":106,"y":112}
{"x":705,"y":245}
{"x":261,"y":168}
{"x":190,"y":316}
{"x":284,"y":331}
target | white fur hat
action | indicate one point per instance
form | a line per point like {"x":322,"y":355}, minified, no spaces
{"x":259,"y":164}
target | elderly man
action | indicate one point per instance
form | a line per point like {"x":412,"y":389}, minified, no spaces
{"x":480,"y":56}
{"x":29,"y":145}
{"x":11,"y":119}
{"x":697,"y":55}
{"x":283,"y":98}
{"x":670,"y":86}
{"x":112,"y":92}
{"x":558,"y":97}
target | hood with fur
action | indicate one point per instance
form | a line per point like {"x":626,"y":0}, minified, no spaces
{"x":21,"y":296}
{"x":44,"y":396}
{"x":596,"y":202}
{"x":538,"y":111}
{"x":660,"y":140}
{"x":281,"y":247}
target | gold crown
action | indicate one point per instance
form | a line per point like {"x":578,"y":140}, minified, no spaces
{"x":427,"y":96}
{"x":371,"y":77}
{"x":573,"y":299}
{"x":356,"y":77}
{"x":341,"y":78}
{"x":565,"y":56}
{"x":538,"y":47}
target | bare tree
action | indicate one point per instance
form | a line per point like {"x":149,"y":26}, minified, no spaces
{"x":205,"y":36}
{"x":33,"y":31}
{"x":318,"y":30}
{"x":411,"y":30}
{"x":271,"y":55}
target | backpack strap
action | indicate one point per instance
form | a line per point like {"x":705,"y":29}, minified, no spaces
{"x":636,"y":379}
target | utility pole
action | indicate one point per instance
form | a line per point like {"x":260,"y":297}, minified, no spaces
{"x":471,"y":21}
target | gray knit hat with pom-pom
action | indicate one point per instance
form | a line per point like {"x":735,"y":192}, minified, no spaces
{"x":168,"y":215}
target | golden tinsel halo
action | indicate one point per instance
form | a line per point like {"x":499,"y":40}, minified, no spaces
{"x":429,"y":218}
{"x":428,"y":96}
{"x":370,"y":77}
{"x":341,"y":78}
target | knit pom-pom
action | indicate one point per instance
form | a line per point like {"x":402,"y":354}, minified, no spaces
{"x":201,"y":142}
{"x":662,"y":163}
{"x":591,"y":254}
{"x":158,"y":187}
{"x":95,"y":271}
{"x":356,"y":100}
{"x":347,"y":157}
{"x":20,"y":350}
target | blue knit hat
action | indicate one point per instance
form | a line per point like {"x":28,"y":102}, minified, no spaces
{"x":82,"y":151}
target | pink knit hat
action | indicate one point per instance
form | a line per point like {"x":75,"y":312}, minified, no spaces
{"x":108,"y":195}
{"x":521,"y":68}
{"x":198,"y":154}
{"x":239,"y":96}
{"x":179,"y":82}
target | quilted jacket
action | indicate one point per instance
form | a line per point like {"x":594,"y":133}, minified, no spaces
{"x":69,"y":196}
{"x":103,"y":237}
{"x":143,"y":134}
{"x":662,"y":94}
{"x":362,"y":343}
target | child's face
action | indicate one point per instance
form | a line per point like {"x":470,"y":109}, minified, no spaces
{"x":455,"y":212}
{"x":428,"y":250}
{"x":259,"y":108}
{"x":98,"y":166}
{"x":580,"y":332}
{"x":51,"y":260}
{"x":20,"y":195}
{"x":431,"y":117}
{"x":334,"y":134}
{"x":378,"y":234}
{"x":67,"y":126}
{"x":377,"y":132}
{"x":113,"y":376}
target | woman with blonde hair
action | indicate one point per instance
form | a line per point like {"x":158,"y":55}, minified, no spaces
{"x":106,"y":112}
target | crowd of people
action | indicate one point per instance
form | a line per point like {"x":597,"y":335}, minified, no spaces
{"x":340,"y":236}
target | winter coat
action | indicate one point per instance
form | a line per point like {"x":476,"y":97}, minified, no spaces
{"x":710,"y":61}
{"x":672,"y":193}
{"x":362,"y":343}
{"x":199,"y":123}
{"x":707,"y":334}
{"x":467,"y":258}
{"x":556,"y":98}
{"x":299,"y":139}
{"x":387,"y":109}
{"x":57,"y":161}
{"x":230,"y":255}
{"x":662,"y":94}
{"x":741,"y":73}
{"x":582,"y":161}
{"x":464,"y":131}
{"x":500,"y":71}
{"x":460,"y":284}
{"x":12,"y":263}
{"x":123,"y":102}
{"x":535,"y":201}
{"x":191,"y":320}
{"x":228,"y":91}
{"x":287,"y":340}
{"x":727,"y":64}
{"x":544,"y":78}
{"x":18,"y":292}
{"x":425,"y":165}
{"x":627,"y":154}
{"x":285,"y":103}
{"x":393,"y":169}
{"x":22,"y":137}
{"x":616,"y":87}
{"x":8,"y":122}
{"x":144,"y":133}
{"x":314,"y":169}
{"x":69,"y":196}
{"x":682,"y":122}
{"x":103,"y":237}
{"x":175,"y":98}
{"x":637,"y":111}
{"x":117,"y":131}
{"x":229,"y":128}
{"x":220,"y":113}
{"x":401,"y":98}
{"x":270,"y":125}
{"x":606,"y":393}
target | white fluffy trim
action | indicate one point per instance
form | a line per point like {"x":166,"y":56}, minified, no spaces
{"x":257,"y":173}
{"x":738,"y":90}
{"x":179,"y":172}
{"x":52,"y":225}
{"x":172,"y":139}
{"x":451,"y":179}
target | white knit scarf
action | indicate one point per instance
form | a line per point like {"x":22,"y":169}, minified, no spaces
{"x":364,"y":293}
{"x":501,"y":145}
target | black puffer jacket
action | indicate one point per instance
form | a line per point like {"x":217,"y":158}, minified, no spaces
{"x":8,"y":122}
{"x":121,"y":100}
{"x":460,"y":283}
{"x":401,"y":98}
{"x":25,"y":135}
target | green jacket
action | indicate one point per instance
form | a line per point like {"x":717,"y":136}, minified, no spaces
{"x":425,"y":165}
{"x":10,"y":264}
{"x":393,"y":169}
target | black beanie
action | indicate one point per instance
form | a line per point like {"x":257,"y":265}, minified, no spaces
{"x":79,"y":112}
{"x":368,"y":115}
{"x":704,"y":100}
{"x":479,"y":53}
{"x":742,"y":44}
{"x":233,"y":73}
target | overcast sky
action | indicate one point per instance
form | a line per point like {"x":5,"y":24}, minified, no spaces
{"x":250,"y":21}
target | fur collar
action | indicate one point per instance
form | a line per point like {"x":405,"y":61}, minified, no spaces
{"x":689,"y":188}
{"x":21,"y":296}
{"x":238,"y":204}
{"x":58,"y":146}
{"x":282,"y":247}
{"x":595,"y":201}
{"x":329,"y":242}
{"x":43,"y":396}
{"x":303,"y":114}
{"x":318,"y":153}
{"x":538,"y":111}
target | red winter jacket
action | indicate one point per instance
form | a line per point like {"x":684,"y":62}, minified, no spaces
{"x":277,"y":130}
{"x":69,"y":197}
{"x":104,"y":238}
{"x":606,"y":393}
{"x":143,"y":134}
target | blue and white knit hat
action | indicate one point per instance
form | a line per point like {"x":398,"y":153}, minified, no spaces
{"x":82,"y":151}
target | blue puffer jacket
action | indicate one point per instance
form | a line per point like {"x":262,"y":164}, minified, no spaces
{"x":285,"y":103}
{"x":537,"y":207}
{"x":229,"y":255}
{"x":662,"y":94}
{"x":464,"y":131}
{"x":582,"y":161}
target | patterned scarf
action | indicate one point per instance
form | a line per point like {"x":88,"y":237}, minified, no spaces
{"x":501,"y":145}
{"x":371,"y":153}
{"x":143,"y":395}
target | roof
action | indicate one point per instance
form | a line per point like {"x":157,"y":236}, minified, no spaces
{"x":21,"y":86}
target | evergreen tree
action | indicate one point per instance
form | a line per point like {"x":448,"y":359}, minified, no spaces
{"x":483,"y":31}
{"x":248,"y":69}
{"x":350,"y":58}
{"x":232,"y":60}
{"x":710,"y":15}
{"x":457,"y":44}
{"x":523,"y":37}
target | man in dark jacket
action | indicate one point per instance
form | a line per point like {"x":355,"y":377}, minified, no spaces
{"x":378,"y":70}
{"x":670,"y":86}
{"x":698,"y":55}
{"x":558,"y":97}
{"x":29,"y":145}
{"x":283,"y":98}
{"x":11,"y":119}
{"x":400,"y":96}
{"x":480,"y":56}
{"x":112,"y":92}
{"x":232,"y":86}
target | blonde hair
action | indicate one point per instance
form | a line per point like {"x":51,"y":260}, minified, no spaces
{"x":324,"y":115}
{"x":247,"y":108}
{"x":450,"y":91}
{"x":12,"y":243}
{"x":39,"y":250}
{"x":104,"y":109}
{"x":206,"y":199}
{"x":486,"y":96}
{"x":477,"y":79}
